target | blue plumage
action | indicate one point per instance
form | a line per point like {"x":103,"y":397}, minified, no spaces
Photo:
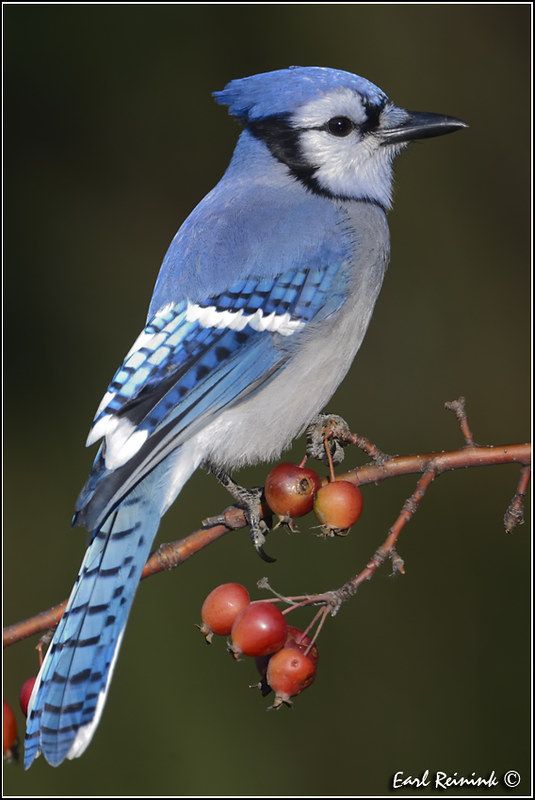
{"x":283,"y":91}
{"x":226,"y":237}
{"x":75,"y":674}
{"x":183,"y":348}
{"x":261,"y":303}
{"x":204,"y":369}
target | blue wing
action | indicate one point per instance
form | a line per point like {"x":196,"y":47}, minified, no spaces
{"x":191,"y":361}
{"x":173,"y":339}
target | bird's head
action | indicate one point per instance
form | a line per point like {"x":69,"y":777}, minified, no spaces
{"x":337,"y":133}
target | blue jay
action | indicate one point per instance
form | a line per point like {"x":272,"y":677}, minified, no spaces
{"x":260,"y":306}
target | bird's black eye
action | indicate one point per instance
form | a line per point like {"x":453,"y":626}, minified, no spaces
{"x":340,"y":126}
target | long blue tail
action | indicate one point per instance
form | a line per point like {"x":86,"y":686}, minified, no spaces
{"x":71,"y":688}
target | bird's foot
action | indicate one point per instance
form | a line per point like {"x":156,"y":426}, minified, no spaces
{"x":249,"y":500}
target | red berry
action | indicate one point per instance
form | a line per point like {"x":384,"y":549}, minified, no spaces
{"x":296,"y":638}
{"x":221,"y":608}
{"x":25,"y":694}
{"x":259,"y":630}
{"x":289,"y":672}
{"x":10,"y":734}
{"x":290,"y":490}
{"x":338,"y":506}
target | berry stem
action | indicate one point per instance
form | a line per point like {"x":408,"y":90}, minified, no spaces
{"x":310,"y":625}
{"x":263,"y":583}
{"x":325,"y":598}
{"x":459,"y":409}
{"x":329,"y":458}
{"x":323,"y":613}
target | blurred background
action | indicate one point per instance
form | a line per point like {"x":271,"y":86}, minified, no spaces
{"x":112,"y":138}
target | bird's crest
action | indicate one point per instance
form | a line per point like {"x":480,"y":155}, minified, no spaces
{"x":284,"y":90}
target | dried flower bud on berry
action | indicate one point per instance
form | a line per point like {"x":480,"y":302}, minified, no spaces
{"x":221,"y":608}
{"x":338,"y":505}
{"x":290,"y":490}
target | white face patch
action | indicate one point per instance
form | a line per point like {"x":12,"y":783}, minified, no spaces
{"x":210,"y":317}
{"x":354,"y":166}
{"x":350,"y":166}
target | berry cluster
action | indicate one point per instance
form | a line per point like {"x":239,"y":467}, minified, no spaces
{"x":10,"y":740}
{"x":293,"y":490}
{"x":285,"y":657}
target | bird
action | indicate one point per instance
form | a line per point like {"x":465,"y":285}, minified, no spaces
{"x":259,"y":308}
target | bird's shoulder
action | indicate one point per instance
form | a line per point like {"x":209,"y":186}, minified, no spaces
{"x":247,"y":229}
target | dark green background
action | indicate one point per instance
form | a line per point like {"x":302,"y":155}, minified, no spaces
{"x":112,"y":138}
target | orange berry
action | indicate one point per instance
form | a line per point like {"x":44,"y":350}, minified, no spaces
{"x":338,"y":506}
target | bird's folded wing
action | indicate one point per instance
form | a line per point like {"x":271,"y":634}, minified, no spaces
{"x":192,"y":360}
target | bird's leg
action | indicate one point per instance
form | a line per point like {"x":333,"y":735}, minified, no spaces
{"x":249,"y":501}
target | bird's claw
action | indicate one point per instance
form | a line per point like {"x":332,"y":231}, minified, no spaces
{"x":250,"y":501}
{"x":258,"y":527}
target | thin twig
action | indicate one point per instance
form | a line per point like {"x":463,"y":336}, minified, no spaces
{"x":459,"y":409}
{"x":514,"y":515}
{"x":369,"y":448}
{"x":388,"y":547}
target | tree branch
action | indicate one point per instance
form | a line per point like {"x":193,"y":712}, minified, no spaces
{"x":429,"y":465}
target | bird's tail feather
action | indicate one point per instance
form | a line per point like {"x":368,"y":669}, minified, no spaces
{"x":70,"y":691}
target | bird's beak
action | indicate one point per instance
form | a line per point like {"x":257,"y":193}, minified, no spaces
{"x":421,"y":125}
